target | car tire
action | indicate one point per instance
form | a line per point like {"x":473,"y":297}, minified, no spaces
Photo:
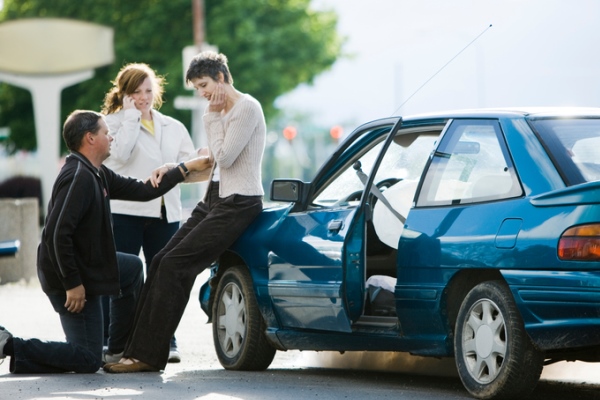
{"x":494,"y":356}
{"x":238,"y":326}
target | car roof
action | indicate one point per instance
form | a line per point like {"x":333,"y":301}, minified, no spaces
{"x":440,"y":117}
{"x":542,"y":112}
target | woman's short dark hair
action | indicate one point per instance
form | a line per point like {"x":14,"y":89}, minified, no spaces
{"x":77,"y":124}
{"x":208,"y":63}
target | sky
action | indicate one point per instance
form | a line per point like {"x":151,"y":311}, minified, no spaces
{"x":437,"y":55}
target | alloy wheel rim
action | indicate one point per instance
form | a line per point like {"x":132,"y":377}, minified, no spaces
{"x":231,"y":320}
{"x":484,"y":341}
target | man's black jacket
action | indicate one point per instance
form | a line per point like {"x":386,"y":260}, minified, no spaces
{"x":77,"y":245}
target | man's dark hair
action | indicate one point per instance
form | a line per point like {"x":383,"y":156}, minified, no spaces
{"x":208,"y":63}
{"x":77,"y":124}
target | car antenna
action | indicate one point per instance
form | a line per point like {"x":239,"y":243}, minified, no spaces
{"x":440,"y":70}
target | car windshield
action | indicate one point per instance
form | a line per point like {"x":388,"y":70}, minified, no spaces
{"x":574,"y":146}
{"x":405,"y":159}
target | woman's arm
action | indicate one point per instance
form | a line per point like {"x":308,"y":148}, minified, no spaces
{"x":193,"y":170}
{"x":226,"y":144}
{"x":124,"y":127}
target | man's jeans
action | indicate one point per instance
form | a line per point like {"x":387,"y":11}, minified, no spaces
{"x":82,"y":352}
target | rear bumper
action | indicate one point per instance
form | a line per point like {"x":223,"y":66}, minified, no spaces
{"x":560,"y":309}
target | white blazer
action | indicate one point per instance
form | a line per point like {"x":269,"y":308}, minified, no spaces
{"x":136,"y":152}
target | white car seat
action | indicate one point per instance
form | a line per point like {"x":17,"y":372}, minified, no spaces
{"x":387,"y":226}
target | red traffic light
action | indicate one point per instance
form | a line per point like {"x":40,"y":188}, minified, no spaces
{"x":336,"y":132}
{"x":289,"y":132}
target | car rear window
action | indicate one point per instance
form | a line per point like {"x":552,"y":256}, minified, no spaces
{"x":574,"y":146}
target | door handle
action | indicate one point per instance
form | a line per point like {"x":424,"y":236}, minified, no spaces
{"x":335,"y":225}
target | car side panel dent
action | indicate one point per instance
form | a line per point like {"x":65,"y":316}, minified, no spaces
{"x":250,"y":249}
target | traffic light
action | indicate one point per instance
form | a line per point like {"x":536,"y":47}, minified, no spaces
{"x":336,"y":132}
{"x":289,"y":132}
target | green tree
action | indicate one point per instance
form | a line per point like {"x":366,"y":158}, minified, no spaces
{"x":272,"y":45}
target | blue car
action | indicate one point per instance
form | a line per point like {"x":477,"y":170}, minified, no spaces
{"x":471,"y":234}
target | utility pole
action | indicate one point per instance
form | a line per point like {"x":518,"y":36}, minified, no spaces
{"x":199,"y":31}
{"x":195,"y":103}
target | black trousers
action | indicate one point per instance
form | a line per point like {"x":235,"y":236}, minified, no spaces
{"x":213,"y":226}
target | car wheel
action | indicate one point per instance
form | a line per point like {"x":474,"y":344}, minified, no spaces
{"x":494,"y":356}
{"x":238,"y":326}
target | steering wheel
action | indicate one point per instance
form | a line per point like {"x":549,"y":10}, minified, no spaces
{"x":382,"y":186}
{"x":355,"y":196}
{"x":386,"y":183}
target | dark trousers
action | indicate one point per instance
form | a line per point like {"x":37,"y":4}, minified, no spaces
{"x":122,"y":306}
{"x":132,"y":234}
{"x":82,"y":351}
{"x":213,"y":226}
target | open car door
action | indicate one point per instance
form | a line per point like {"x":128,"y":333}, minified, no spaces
{"x":317,"y":265}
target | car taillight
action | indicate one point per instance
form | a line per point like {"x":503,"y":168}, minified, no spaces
{"x":580,"y":243}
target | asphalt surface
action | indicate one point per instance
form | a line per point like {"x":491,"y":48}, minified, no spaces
{"x":26,"y":312}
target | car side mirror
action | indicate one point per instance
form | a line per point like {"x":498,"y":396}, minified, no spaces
{"x":287,"y":190}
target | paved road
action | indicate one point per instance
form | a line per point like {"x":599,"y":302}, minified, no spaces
{"x":26,"y":312}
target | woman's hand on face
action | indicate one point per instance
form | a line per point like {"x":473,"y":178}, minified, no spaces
{"x":128,"y":102}
{"x":218,"y":100}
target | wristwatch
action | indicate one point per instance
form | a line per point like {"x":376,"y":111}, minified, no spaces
{"x":184,"y":168}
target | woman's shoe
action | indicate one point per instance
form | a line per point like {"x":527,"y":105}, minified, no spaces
{"x":106,"y":366}
{"x":134,"y":366}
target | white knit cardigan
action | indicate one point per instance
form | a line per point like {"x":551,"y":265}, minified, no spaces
{"x":236,"y":141}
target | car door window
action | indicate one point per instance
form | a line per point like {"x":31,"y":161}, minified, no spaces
{"x":398,"y":178}
{"x":405,"y":158}
{"x":471,"y":164}
{"x":346,"y":188}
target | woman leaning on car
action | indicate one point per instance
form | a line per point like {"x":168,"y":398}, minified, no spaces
{"x":236,"y":131}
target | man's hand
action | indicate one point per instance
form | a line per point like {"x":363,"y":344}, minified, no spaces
{"x":158,"y":173}
{"x":75,"y":299}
